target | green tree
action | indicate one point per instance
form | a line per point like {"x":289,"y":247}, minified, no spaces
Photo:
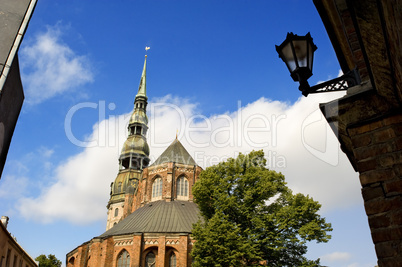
{"x":49,"y":261}
{"x":251,"y":218}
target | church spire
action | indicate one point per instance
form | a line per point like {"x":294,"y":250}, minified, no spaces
{"x":142,"y":90}
{"x":135,"y":152}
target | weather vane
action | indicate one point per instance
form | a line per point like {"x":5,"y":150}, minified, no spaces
{"x":146,"y":49}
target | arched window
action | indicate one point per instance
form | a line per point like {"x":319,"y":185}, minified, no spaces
{"x":150,"y":260}
{"x":182,"y":188}
{"x":157,"y":189}
{"x":123,"y":260}
{"x":118,"y":187}
{"x":71,"y":261}
{"x":172,"y":260}
{"x":116,"y":212}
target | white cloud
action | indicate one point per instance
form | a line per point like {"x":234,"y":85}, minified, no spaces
{"x":50,"y":67}
{"x":295,"y":138}
{"x":13,"y":187}
{"x":337,"y":256}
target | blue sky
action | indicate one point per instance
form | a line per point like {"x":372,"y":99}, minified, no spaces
{"x":213,"y":76}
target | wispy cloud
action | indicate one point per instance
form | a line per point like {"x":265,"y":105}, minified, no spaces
{"x":50,"y":67}
{"x":295,"y":138}
{"x":337,"y":256}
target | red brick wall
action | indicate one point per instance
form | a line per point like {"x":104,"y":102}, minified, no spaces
{"x":104,"y":253}
{"x":166,"y":173}
{"x":378,"y":152}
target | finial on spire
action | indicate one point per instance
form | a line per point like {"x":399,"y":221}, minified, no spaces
{"x":177,"y":131}
{"x":146,"y":50}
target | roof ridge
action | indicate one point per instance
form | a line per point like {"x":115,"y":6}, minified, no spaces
{"x":175,"y":152}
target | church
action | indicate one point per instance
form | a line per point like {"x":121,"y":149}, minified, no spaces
{"x":151,"y":211}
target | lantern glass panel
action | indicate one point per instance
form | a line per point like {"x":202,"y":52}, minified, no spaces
{"x":310,"y":55}
{"x":300,"y":47}
{"x":288,"y":57}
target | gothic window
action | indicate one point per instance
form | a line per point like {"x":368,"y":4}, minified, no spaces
{"x":182,"y":188}
{"x":116,"y":212}
{"x":157,"y":189}
{"x":150,"y":260}
{"x":123,"y":260}
{"x":172,"y":260}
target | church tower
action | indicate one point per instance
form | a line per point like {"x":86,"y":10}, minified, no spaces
{"x":133,"y":159}
{"x":151,"y":210}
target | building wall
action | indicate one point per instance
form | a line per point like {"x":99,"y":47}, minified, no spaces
{"x":11,"y":253}
{"x":112,"y":218}
{"x":169,"y":173}
{"x":368,"y":120}
{"x":105,"y":252}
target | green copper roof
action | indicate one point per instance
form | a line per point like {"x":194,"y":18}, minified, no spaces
{"x":158,"y":217}
{"x":175,"y":153}
{"x":142,"y":90}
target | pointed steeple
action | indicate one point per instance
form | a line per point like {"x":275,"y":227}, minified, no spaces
{"x":135,"y":152}
{"x":142,"y":90}
{"x":134,"y":157}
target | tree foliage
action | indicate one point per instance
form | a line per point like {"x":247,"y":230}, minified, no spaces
{"x":49,"y":261}
{"x":251,"y":218}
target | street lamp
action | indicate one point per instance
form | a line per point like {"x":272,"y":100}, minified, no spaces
{"x":298,"y":52}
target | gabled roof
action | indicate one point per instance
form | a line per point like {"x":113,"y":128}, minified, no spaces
{"x":175,"y":153}
{"x":158,"y":217}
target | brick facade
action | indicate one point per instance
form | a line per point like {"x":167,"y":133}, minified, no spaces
{"x":368,"y":121}
{"x":105,"y":251}
{"x":378,"y":152}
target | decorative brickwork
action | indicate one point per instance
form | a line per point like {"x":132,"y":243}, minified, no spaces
{"x":105,"y":252}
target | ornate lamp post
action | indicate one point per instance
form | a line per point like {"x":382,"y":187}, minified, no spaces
{"x":298,"y":53}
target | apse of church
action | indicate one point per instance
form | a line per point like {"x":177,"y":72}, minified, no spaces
{"x":150,"y":209}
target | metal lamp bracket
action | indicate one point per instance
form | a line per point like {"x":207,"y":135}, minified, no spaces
{"x":341,"y":83}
